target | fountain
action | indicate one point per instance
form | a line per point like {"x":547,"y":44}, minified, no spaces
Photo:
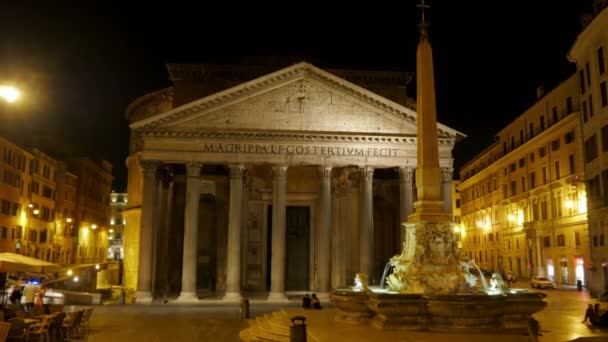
{"x":431,"y":287}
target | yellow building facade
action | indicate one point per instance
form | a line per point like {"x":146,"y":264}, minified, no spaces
{"x":523,"y":198}
{"x":590,"y":53}
{"x":48,"y":207}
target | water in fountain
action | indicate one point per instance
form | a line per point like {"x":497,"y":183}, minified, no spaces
{"x":483,"y":278}
{"x":385,"y":274}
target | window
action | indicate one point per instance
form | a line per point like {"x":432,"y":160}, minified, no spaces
{"x":542,"y":123}
{"x":542,"y":152}
{"x":604,"y":94}
{"x":523,"y":184}
{"x":546,"y":241}
{"x":522,"y":162}
{"x":543,"y":210}
{"x":561,"y":240}
{"x":600,"y":60}
{"x":535,"y":211}
{"x":571,"y":164}
{"x":590,"y":106}
{"x":555,"y":145}
{"x":34,"y":187}
{"x":521,"y":136}
{"x":594,"y":240}
{"x":577,"y":238}
{"x":601,"y":239}
{"x":605,"y":138}
{"x":531,"y":130}
{"x":532,"y":180}
{"x":590,"y":149}
{"x":569,"y":137}
{"x":4,"y":232}
{"x":513,"y":188}
{"x":457,"y":203}
{"x":512,"y":143}
{"x":588,"y":74}
{"x":569,"y":105}
{"x":512,"y":167}
{"x":581,"y":80}
{"x":6,"y":207}
{"x":585,"y":117}
{"x":554,"y":114}
{"x":544,"y":175}
{"x":557,"y":176}
{"x":604,"y":187}
{"x":47,"y":191}
{"x":532,"y":157}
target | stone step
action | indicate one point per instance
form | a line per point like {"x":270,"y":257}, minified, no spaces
{"x":270,"y":327}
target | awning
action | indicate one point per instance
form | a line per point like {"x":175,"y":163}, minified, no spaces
{"x":11,"y":262}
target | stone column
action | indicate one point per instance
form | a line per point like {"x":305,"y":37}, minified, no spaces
{"x":446,"y":189}
{"x":366,"y":223}
{"x":406,"y":195}
{"x":324,"y":241}
{"x":148,"y":209}
{"x":277,"y":277}
{"x":233,"y":279}
{"x":193,"y":185}
{"x":540,"y":271}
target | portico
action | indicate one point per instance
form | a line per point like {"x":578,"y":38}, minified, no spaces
{"x":288,"y":183}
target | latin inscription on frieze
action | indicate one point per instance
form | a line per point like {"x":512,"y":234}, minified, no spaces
{"x":341,"y":151}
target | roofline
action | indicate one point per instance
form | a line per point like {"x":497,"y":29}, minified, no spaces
{"x":301,"y":65}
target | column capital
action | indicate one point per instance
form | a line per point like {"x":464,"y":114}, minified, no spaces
{"x":446,"y":174}
{"x":324,"y":171}
{"x":367,"y":172}
{"x":149,"y":166}
{"x":279,"y":171}
{"x":406,"y":174}
{"x":193,"y":169}
{"x":236,"y":171}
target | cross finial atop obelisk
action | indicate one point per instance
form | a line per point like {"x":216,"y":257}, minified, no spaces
{"x":422,"y":7}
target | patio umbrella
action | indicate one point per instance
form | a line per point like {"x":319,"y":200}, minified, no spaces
{"x":11,"y":262}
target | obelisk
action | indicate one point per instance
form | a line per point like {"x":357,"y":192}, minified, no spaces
{"x":429,"y":206}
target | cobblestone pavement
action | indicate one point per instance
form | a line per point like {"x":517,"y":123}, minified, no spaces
{"x":212,"y":321}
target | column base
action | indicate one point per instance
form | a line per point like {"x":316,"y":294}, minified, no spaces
{"x":277,"y":297}
{"x":232,"y":297}
{"x":143,"y":297}
{"x":187,"y":297}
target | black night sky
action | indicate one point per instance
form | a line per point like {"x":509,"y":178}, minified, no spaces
{"x":81,"y":65}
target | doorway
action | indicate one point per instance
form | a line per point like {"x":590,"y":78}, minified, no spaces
{"x":297,"y":248}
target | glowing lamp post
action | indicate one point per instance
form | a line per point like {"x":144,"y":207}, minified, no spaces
{"x":9,"y":93}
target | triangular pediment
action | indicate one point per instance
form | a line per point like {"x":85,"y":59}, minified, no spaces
{"x":299,"y":98}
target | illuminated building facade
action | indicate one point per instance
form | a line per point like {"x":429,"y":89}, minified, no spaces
{"x":524,"y":205}
{"x":268,"y":179}
{"x":92,"y":205}
{"x":117,"y":224}
{"x":590,"y":53}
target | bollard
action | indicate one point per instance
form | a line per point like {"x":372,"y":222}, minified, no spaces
{"x":297,"y":331}
{"x":123,"y":297}
{"x":244,"y":308}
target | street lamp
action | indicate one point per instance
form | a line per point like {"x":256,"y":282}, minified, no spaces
{"x":9,"y":93}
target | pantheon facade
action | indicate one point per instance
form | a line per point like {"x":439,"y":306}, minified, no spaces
{"x":261,"y":180}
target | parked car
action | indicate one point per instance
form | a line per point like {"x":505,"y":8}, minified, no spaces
{"x":541,"y":283}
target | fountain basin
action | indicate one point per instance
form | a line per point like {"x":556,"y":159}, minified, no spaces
{"x":351,"y":304}
{"x":477,"y":312}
